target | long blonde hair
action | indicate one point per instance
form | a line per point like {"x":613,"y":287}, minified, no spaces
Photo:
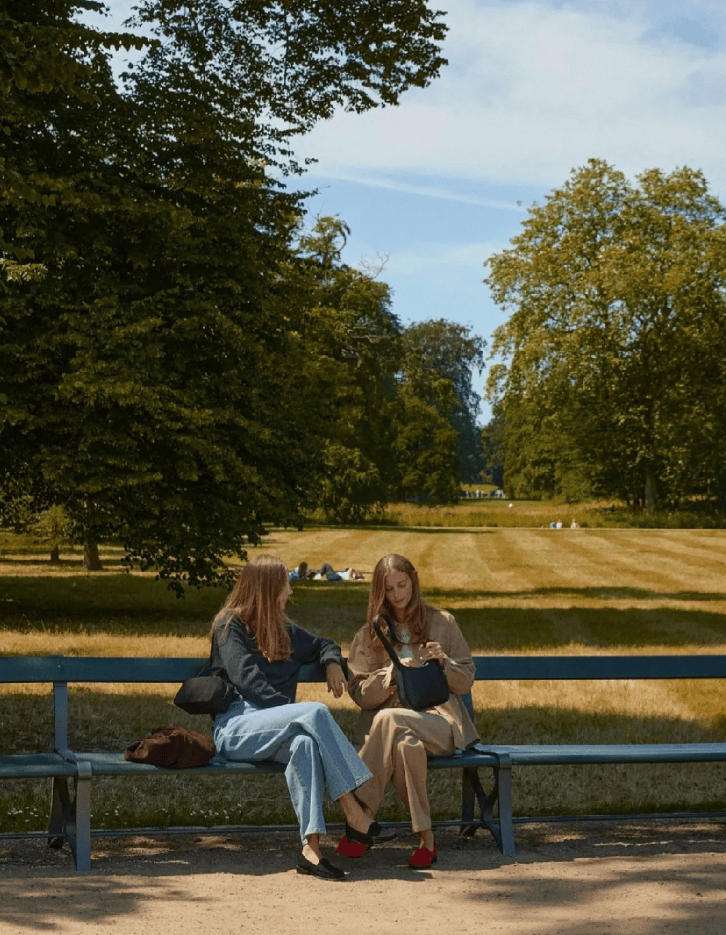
{"x":255,"y":599}
{"x":414,"y":615}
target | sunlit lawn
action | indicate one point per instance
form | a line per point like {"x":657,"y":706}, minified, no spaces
{"x":512,"y":590}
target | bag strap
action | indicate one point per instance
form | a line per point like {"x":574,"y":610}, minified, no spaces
{"x":384,"y":639}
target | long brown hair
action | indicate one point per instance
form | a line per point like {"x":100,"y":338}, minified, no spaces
{"x":414,"y":615}
{"x":255,"y":599}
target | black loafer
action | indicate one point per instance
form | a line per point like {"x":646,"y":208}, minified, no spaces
{"x":325,"y":870}
{"x":374,"y":835}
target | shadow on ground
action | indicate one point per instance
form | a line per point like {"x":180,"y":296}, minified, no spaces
{"x":561,"y":878}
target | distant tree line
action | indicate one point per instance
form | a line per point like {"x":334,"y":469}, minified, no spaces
{"x":181,"y":360}
{"x":610,"y":377}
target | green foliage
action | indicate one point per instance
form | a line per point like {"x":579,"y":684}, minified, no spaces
{"x":52,"y":527}
{"x":351,"y":335}
{"x":45,"y":57}
{"x":613,"y":370}
{"x":396,"y":410}
{"x":150,"y":381}
{"x":494,"y":446}
{"x":291,"y":64}
{"x":424,"y":448}
{"x":437,"y":443}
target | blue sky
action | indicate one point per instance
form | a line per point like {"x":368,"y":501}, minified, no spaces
{"x":533,"y":89}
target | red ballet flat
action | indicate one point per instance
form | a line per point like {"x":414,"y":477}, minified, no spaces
{"x":348,"y":848}
{"x":422,"y":858}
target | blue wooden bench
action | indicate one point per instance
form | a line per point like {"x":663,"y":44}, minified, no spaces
{"x":73,"y":771}
{"x":504,"y":757}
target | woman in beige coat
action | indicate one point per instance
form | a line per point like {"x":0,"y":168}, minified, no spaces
{"x":395,"y":741}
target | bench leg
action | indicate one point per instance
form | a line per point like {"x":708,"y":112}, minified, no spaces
{"x":81,"y":839}
{"x":503,"y":773}
{"x":473,"y":791}
{"x":59,"y":808}
{"x":70,"y":817}
{"x":469,"y":777}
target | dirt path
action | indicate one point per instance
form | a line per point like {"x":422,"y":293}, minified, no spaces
{"x":591,"y":879}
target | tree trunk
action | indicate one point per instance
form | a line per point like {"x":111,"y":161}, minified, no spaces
{"x":649,"y":491}
{"x":91,"y":561}
{"x":55,"y":555}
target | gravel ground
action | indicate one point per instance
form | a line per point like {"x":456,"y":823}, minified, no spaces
{"x":579,"y":878}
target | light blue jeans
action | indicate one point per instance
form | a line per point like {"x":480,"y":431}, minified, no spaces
{"x":320,"y":759}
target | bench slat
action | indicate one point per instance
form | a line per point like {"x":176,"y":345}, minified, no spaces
{"x":114,"y":764}
{"x":34,"y":766}
{"x":145,"y":669}
{"x":30,"y":669}
{"x":599,"y":667}
{"x":553,"y":754}
{"x":15,"y":669}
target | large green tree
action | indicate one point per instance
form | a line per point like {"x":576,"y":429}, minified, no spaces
{"x":615,"y":351}
{"x":398,"y":406}
{"x":353,"y":339}
{"x":494,"y":444}
{"x":152,"y":382}
{"x":436,"y":370}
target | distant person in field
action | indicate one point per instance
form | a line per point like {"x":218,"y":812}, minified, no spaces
{"x":328,"y":573}
{"x":396,"y":741}
{"x":257,"y":648}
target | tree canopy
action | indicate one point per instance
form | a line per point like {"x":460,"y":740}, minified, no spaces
{"x":397,"y":410}
{"x":613,"y":357}
{"x":156,"y":325}
{"x":439,"y":437}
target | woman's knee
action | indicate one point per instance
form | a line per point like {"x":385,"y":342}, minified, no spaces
{"x":303,"y":745}
{"x":319,"y":714}
{"x":388,"y":719}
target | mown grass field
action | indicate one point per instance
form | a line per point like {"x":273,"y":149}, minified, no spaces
{"x":512,"y":590}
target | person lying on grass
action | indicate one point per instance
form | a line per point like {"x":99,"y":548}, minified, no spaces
{"x":260,"y":651}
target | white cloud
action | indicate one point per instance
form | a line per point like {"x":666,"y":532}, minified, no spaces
{"x":533,"y":90}
{"x":420,"y":188}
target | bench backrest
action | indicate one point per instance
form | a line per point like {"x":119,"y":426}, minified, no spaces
{"x":600,"y":667}
{"x":31,"y":669}
{"x":112,"y":669}
{"x":62,"y":670}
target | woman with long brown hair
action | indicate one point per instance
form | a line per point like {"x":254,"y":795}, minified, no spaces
{"x":395,"y":741}
{"x":260,"y":651}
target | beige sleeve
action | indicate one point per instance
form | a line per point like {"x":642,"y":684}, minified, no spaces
{"x":459,"y":666}
{"x":369,"y":688}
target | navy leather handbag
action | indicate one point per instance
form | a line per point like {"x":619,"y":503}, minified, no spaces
{"x":419,"y":687}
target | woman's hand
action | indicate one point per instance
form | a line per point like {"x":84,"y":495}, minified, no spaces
{"x":337,"y":682}
{"x":433,"y":650}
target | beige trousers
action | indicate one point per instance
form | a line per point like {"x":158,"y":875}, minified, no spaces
{"x":396,"y":749}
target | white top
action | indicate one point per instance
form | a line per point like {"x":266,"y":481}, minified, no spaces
{"x":406,"y":650}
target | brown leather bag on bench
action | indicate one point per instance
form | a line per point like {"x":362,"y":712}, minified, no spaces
{"x":173,"y":748}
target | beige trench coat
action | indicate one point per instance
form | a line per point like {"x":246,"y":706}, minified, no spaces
{"x":372,"y":684}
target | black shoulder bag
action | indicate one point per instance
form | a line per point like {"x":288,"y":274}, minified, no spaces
{"x":419,"y":687}
{"x":205,"y":694}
